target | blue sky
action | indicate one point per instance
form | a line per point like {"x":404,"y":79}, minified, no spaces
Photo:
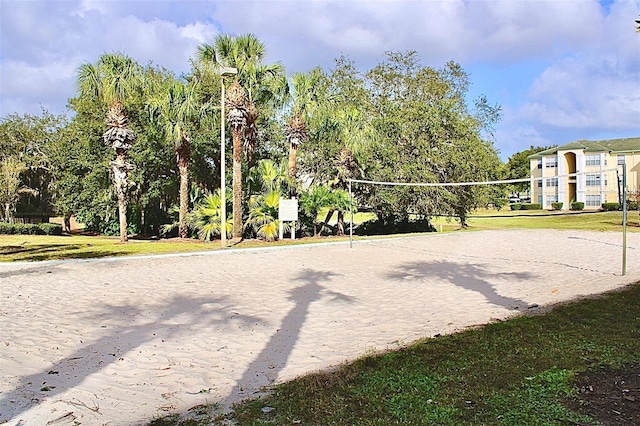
{"x":561,"y":70}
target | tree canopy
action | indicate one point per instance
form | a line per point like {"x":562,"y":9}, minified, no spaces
{"x":399,"y":121}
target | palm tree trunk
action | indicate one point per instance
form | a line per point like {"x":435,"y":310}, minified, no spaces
{"x":237,"y":182}
{"x":183,"y":167}
{"x":121,"y":168}
{"x":293,"y":152}
{"x":122,"y":214}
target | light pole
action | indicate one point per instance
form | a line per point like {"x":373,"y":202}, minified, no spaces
{"x":224,"y":71}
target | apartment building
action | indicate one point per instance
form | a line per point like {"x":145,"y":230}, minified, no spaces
{"x":586,"y":171}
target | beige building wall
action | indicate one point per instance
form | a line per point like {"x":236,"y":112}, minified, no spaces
{"x":578,"y":175}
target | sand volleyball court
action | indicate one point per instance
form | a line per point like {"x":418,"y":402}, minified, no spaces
{"x":119,"y":341}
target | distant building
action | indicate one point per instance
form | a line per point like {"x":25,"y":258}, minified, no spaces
{"x":598,"y":164}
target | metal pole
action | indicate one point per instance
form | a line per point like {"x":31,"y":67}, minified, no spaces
{"x":223,"y":184}
{"x":624,"y":219}
{"x":351,"y":222}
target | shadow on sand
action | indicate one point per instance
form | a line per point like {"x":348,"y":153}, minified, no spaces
{"x":467,"y":276}
{"x":172,"y":319}
{"x":263,"y":371}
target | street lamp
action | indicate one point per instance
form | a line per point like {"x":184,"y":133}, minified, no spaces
{"x":224,"y":71}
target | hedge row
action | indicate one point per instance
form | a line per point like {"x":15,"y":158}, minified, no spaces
{"x":611,"y":207}
{"x":31,"y":228}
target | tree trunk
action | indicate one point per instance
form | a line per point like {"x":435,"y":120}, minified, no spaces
{"x":326,"y":220}
{"x":340,"y":226}
{"x":183,"y":167}
{"x":8,"y":216}
{"x":121,"y":168}
{"x":237,"y":182}
{"x":293,"y":152}
{"x":122,"y":214}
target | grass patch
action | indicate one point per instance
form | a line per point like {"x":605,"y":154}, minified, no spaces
{"x":516,"y":372}
{"x":584,"y":221}
{"x":45,"y":247}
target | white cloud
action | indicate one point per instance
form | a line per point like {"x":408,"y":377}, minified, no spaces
{"x":597,"y":88}
{"x":589,"y":84}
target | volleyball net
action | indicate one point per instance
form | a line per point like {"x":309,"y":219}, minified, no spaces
{"x":599,"y":184}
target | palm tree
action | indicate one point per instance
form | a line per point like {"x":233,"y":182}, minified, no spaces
{"x":237,"y":118}
{"x":313,"y":199}
{"x":267,"y":180}
{"x":174,"y":109}
{"x":205,"y":218}
{"x":263,"y":84}
{"x":307,"y":91}
{"x":112,"y":80}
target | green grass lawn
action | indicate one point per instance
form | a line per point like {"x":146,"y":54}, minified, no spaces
{"x":36,"y":247}
{"x":523,"y":371}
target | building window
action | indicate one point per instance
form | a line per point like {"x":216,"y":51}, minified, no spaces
{"x":552,"y":182}
{"x":539,"y":163}
{"x":540,"y":199}
{"x":552,"y":162}
{"x":620,"y":160}
{"x":593,"y":180}
{"x":593,"y":160}
{"x":593,"y":201}
{"x":539,"y":184}
{"x":551,"y":199}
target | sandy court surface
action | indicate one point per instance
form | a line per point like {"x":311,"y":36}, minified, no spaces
{"x":119,"y":341}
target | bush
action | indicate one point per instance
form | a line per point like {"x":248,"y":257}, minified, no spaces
{"x":610,"y":207}
{"x":30,"y":228}
{"x":556,"y":205}
{"x":531,"y":206}
{"x":577,"y":205}
{"x":50,"y":228}
{"x":516,"y":206}
{"x":632,"y":205}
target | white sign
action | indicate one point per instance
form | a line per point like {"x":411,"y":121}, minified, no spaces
{"x":288,"y":210}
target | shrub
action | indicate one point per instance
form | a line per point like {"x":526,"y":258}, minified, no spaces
{"x":531,"y":206}
{"x":556,"y":205}
{"x":632,"y":205}
{"x":577,"y":205}
{"x":516,"y":206}
{"x":30,"y":228}
{"x":50,"y":228}
{"x":610,"y":207}
{"x":6,"y":228}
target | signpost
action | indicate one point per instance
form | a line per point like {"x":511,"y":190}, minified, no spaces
{"x":288,"y":212}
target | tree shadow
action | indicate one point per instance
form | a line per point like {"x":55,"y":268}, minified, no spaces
{"x":43,"y":252}
{"x":263,"y":371}
{"x":469,"y":277}
{"x":174,"y":318}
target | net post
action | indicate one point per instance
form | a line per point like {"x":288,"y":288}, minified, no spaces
{"x":351,"y":221}
{"x":624,"y":219}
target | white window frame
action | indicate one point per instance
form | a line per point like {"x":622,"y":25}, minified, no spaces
{"x":593,"y":200}
{"x":592,"y":160}
{"x":552,"y":162}
{"x":593,"y":180}
{"x":551,"y":182}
